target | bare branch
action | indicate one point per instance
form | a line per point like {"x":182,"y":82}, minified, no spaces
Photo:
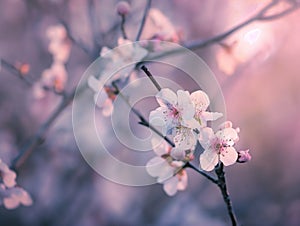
{"x":146,"y":11}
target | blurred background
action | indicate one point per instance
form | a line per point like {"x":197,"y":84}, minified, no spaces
{"x":258,"y":71}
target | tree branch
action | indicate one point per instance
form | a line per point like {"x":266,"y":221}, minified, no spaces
{"x":259,"y":16}
{"x":40,"y":135}
{"x":221,"y":182}
{"x":142,"y":25}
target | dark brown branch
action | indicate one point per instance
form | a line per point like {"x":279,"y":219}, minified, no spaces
{"x":40,"y":135}
{"x":142,"y":25}
{"x":150,"y":76}
{"x":189,"y":165}
{"x":14,"y":70}
{"x":123,"y":18}
{"x":223,"y":187}
{"x":259,"y":16}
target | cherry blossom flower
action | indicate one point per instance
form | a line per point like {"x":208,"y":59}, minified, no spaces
{"x":60,"y":45}
{"x":16,"y":196}
{"x":8,"y":176}
{"x":168,"y":171}
{"x":244,"y":156}
{"x":201,"y":102}
{"x":175,"y":110}
{"x":103,"y":99}
{"x":10,"y":195}
{"x":123,"y":55}
{"x":218,"y":146}
{"x":53,"y":78}
{"x":159,"y":27}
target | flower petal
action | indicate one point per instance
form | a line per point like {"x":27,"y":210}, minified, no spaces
{"x":185,"y":105}
{"x":205,"y":137}
{"x":11,"y":202}
{"x":228,"y":156}
{"x":200,"y":100}
{"x":166,"y":97}
{"x":170,"y":186}
{"x":209,"y":159}
{"x":183,"y":180}
{"x":211,"y":116}
{"x":159,"y":146}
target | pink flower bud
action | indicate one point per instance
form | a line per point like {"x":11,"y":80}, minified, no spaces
{"x":244,"y":156}
{"x":123,"y":8}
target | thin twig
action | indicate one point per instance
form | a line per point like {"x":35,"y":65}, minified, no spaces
{"x":189,"y":165}
{"x":259,"y":16}
{"x":150,"y":76}
{"x":123,"y":20}
{"x":40,"y":135}
{"x":142,"y":119}
{"x":75,"y":41}
{"x":223,"y":187}
{"x":92,"y":20}
{"x":14,"y":70}
{"x":142,"y":25}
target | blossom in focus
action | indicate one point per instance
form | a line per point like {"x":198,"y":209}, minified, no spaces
{"x":168,"y":171}
{"x":244,"y":156}
{"x":201,"y":103}
{"x":59,"y":45}
{"x":8,"y":176}
{"x":175,"y":110}
{"x":218,"y":146}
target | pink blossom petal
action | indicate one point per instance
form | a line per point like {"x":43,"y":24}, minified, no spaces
{"x":209,"y":159}
{"x":228,"y":156}
{"x":166,"y":97}
{"x":11,"y":202}
{"x":183,"y":181}
{"x":178,"y":153}
{"x":170,"y":186}
{"x":159,"y":167}
{"x":159,"y":146}
{"x":200,"y":100}
{"x":185,"y":105}
{"x":205,"y":137}
{"x":211,"y":116}
{"x":9,"y":178}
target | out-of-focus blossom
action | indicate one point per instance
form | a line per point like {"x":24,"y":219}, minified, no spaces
{"x":16,"y":196}
{"x":244,"y":156}
{"x":254,"y":43}
{"x":168,"y":171}
{"x":10,"y":195}
{"x":123,"y":55}
{"x":123,"y":8}
{"x":53,"y":78}
{"x":60,"y":45}
{"x":23,"y":68}
{"x":103,"y":98}
{"x":218,"y":146}
{"x":8,"y":176}
{"x":159,"y":27}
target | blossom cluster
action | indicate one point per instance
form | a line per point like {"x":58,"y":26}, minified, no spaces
{"x":55,"y":77}
{"x":183,"y":117}
{"x":11,"y":195}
